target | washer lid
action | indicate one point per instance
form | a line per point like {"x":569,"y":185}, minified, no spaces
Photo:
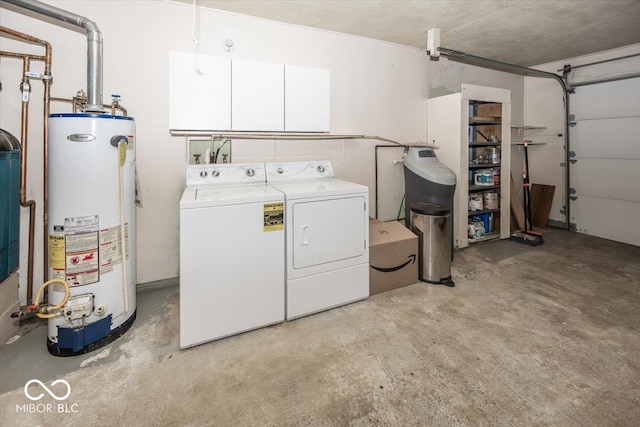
{"x":319,"y":188}
{"x":228,"y":195}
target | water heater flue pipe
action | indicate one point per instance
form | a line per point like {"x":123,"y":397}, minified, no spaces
{"x":94,"y":46}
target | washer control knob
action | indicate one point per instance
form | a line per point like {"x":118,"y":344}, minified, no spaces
{"x":280,"y":170}
{"x":203,"y":174}
{"x":250,"y":172}
{"x":215,"y":173}
{"x":320,"y":168}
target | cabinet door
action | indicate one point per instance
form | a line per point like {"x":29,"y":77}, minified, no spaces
{"x":306,"y":99}
{"x":258,"y":96}
{"x":327,"y":231}
{"x":199,"y":92}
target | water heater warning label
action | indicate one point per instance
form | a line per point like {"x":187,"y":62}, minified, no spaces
{"x":273,"y":216}
{"x":74,"y":251}
{"x":81,"y":258}
{"x":110,"y":250}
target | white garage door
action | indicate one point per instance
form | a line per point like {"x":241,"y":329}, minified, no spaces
{"x":606,"y":174}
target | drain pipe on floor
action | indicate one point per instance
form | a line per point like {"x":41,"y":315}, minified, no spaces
{"x":525,"y":71}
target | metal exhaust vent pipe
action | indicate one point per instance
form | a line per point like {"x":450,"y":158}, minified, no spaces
{"x":94,"y":46}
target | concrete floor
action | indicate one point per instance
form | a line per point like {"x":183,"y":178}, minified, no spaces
{"x":529,"y":336}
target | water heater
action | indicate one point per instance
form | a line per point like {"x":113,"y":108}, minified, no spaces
{"x":91,"y":229}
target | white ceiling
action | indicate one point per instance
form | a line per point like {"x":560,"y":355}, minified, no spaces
{"x":522,"y":32}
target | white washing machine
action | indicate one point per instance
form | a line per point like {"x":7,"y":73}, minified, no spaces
{"x":231,"y":252}
{"x":327,"y":236}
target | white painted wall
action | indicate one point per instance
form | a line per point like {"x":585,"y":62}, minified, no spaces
{"x":544,"y":106}
{"x":446,"y":76}
{"x":377,"y":88}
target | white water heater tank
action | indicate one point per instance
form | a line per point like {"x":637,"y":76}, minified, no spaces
{"x":91,"y":184}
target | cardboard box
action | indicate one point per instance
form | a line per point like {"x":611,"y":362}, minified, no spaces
{"x":393,"y":256}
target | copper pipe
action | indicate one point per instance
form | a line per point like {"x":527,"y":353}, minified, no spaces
{"x":31,"y":204}
{"x":115,"y":105}
{"x":76,"y":104}
{"x":45,"y":148}
{"x":21,"y":55}
{"x":54,"y":98}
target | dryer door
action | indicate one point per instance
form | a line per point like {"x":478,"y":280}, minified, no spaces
{"x":325,"y":231}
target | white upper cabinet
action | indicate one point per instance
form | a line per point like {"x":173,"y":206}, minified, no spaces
{"x":199,"y":92}
{"x":257,"y":91}
{"x":307,"y":101}
{"x":210,"y":93}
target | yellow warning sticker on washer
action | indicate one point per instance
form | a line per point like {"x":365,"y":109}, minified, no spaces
{"x":273,"y":216}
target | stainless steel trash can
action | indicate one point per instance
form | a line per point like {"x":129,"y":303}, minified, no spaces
{"x":431,"y":222}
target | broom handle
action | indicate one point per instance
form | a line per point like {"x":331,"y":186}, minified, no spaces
{"x":527,"y":190}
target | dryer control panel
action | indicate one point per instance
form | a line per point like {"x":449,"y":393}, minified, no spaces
{"x":299,"y":171}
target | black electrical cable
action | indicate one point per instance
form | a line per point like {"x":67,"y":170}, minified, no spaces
{"x":219,"y":148}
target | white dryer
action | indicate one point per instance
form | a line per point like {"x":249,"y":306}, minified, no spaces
{"x":231,"y":252}
{"x":327,"y":236}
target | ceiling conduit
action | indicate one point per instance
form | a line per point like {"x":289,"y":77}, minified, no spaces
{"x":94,"y":46}
{"x":530,"y":72}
